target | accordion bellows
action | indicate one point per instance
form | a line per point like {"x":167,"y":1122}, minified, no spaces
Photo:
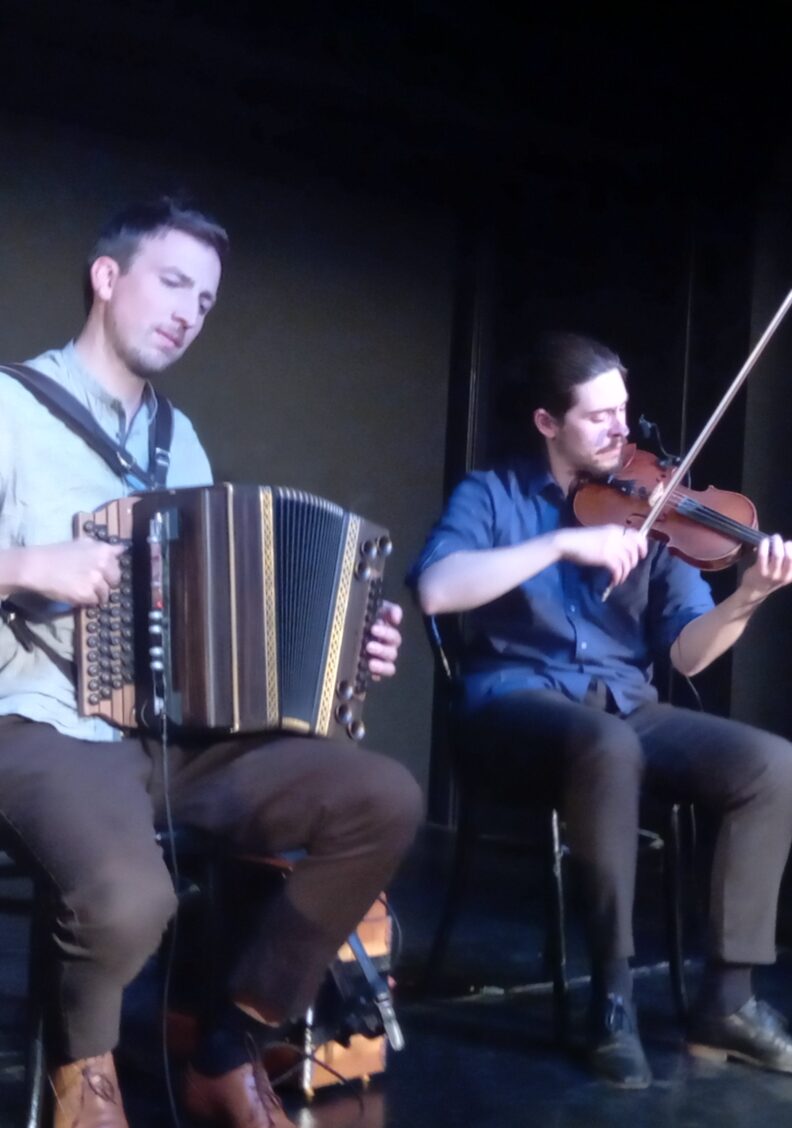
{"x":241,"y":609}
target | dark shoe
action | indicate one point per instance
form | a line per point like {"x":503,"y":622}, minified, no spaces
{"x":87,"y":1095}
{"x":615,"y":1052}
{"x":242,"y":1098}
{"x":755,"y":1034}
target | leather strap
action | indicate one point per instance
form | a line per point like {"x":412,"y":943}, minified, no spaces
{"x":72,"y":413}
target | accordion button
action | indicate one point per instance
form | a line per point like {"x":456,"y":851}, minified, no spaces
{"x":345,"y":691}
{"x":357,"y":730}
{"x":385,"y":545}
{"x":88,"y":527}
{"x":118,"y":683}
{"x":362,"y":571}
{"x":343,"y":714}
{"x":369,"y":549}
{"x":93,"y":699}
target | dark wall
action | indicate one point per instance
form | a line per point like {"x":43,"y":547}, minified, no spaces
{"x":761,"y":691}
{"x":324,"y":365}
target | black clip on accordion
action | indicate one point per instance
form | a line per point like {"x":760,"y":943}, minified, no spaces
{"x":241,"y":609}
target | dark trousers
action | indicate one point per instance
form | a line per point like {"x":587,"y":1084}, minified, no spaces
{"x":85,"y":813}
{"x":594,"y":764}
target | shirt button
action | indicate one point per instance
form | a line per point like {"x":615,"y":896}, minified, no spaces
{"x":572,"y":608}
{"x":584,"y":646}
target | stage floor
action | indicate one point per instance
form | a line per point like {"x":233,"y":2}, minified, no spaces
{"x":480,"y":1049}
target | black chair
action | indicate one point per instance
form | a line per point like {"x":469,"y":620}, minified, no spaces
{"x":25,"y":894}
{"x":446,"y":638}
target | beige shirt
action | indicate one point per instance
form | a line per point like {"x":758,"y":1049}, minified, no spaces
{"x":47,"y":474}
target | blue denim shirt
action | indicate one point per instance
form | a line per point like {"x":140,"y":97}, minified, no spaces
{"x":554,"y":631}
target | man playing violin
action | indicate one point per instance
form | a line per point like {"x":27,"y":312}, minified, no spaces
{"x":558,"y":685}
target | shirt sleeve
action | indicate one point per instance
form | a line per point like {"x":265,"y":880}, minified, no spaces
{"x":678,"y":594}
{"x":468,"y":523}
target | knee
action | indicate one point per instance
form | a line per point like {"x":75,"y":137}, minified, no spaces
{"x":386,"y":796}
{"x":120,"y":919}
{"x":769,"y":758}
{"x":605,"y":747}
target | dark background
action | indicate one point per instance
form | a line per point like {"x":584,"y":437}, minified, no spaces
{"x":412,"y":191}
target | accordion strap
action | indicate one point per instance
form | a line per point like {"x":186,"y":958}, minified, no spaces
{"x":70,"y":411}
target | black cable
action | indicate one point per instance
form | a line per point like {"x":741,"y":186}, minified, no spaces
{"x":171,"y":956}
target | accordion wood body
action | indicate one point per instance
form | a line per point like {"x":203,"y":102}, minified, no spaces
{"x":241,"y":609}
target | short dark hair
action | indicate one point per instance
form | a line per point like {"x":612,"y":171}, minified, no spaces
{"x":121,"y":236}
{"x":558,"y":363}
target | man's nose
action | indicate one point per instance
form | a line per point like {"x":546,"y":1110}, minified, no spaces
{"x":186,"y":314}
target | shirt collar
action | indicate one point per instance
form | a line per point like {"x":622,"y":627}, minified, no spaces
{"x":535,"y":477}
{"x":98,"y":391}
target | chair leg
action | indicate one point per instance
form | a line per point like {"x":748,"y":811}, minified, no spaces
{"x":465,"y":836}
{"x":556,"y":930}
{"x":36,"y":1080}
{"x":674,"y":922}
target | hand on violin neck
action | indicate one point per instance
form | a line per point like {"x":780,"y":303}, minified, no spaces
{"x":771,"y":570}
{"x":614,"y":547}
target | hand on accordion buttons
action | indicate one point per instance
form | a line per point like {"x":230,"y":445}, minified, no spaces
{"x":80,"y":572}
{"x":383,"y":646}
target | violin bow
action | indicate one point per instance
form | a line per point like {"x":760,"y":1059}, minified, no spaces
{"x":660,"y":494}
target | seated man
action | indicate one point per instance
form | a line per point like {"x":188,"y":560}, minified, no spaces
{"x":558,"y":683}
{"x":82,"y":797}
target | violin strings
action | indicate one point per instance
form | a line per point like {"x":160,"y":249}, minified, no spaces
{"x":717,"y":521}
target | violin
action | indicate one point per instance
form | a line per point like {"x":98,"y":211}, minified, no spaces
{"x":707,"y":528}
{"x":666,"y":497}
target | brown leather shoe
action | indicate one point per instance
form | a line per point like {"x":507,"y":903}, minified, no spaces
{"x":87,"y":1095}
{"x":243,"y":1098}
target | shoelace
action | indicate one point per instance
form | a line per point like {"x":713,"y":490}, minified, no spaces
{"x":99,"y":1084}
{"x":617,"y":1015}
{"x":262,"y":1086}
{"x":261,"y":1075}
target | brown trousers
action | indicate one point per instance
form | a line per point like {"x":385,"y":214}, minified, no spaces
{"x":85,"y":814}
{"x":595,"y":765}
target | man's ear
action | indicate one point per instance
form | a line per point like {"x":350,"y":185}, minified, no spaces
{"x":104,"y":274}
{"x":545,"y":423}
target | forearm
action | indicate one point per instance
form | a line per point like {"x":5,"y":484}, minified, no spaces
{"x":466,"y":580}
{"x":706,"y":638}
{"x":12,"y":570}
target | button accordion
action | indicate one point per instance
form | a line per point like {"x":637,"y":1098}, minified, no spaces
{"x":240,"y":609}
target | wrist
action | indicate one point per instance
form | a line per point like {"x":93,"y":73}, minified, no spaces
{"x":745,"y":600}
{"x":558,"y":542}
{"x":17,"y":570}
{"x":9,"y":571}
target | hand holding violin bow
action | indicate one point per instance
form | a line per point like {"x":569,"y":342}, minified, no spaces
{"x":729,"y":517}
